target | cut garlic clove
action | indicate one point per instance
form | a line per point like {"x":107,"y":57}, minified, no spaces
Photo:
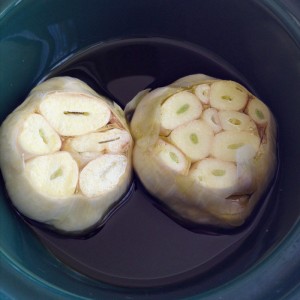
{"x":214,"y":173}
{"x":53,"y":175}
{"x":258,"y":111}
{"x":102,"y":175}
{"x":226,"y":144}
{"x":113,"y":141}
{"x":172,"y":158}
{"x":84,"y":143}
{"x":202,"y":92}
{"x":211,"y":117}
{"x":194,"y":139}
{"x":228,"y":95}
{"x":37,"y":137}
{"x":179,"y":109}
{"x":73,"y":114}
{"x":234,"y":120}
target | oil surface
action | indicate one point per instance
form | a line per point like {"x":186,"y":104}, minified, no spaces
{"x":140,"y":245}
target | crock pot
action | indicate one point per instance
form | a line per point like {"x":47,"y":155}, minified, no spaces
{"x":260,"y":38}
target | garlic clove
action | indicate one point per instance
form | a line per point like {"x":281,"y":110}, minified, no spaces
{"x":194,"y":139}
{"x":113,"y":141}
{"x":228,"y":95}
{"x":227,"y":144}
{"x":102,"y":174}
{"x":73,"y":114}
{"x":53,"y":175}
{"x":214,"y":173}
{"x":211,"y":117}
{"x":202,"y":92}
{"x":37,"y":137}
{"x":171,"y":157}
{"x":179,"y":109}
{"x":234,"y":120}
{"x":258,"y":111}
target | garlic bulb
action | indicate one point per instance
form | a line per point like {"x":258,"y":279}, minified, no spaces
{"x":204,"y":147}
{"x":65,"y":155}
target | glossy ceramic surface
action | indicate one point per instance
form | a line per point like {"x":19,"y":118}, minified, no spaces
{"x":259,"y":38}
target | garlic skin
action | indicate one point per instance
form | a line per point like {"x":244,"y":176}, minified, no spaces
{"x":229,"y":174}
{"x":41,"y":168}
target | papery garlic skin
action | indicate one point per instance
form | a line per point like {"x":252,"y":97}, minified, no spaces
{"x":42,"y":168}
{"x":228,"y":176}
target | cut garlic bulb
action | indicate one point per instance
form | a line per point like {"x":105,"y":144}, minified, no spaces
{"x":208,"y":167}
{"x":65,"y":155}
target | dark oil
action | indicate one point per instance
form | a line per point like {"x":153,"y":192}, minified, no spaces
{"x":140,"y":245}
